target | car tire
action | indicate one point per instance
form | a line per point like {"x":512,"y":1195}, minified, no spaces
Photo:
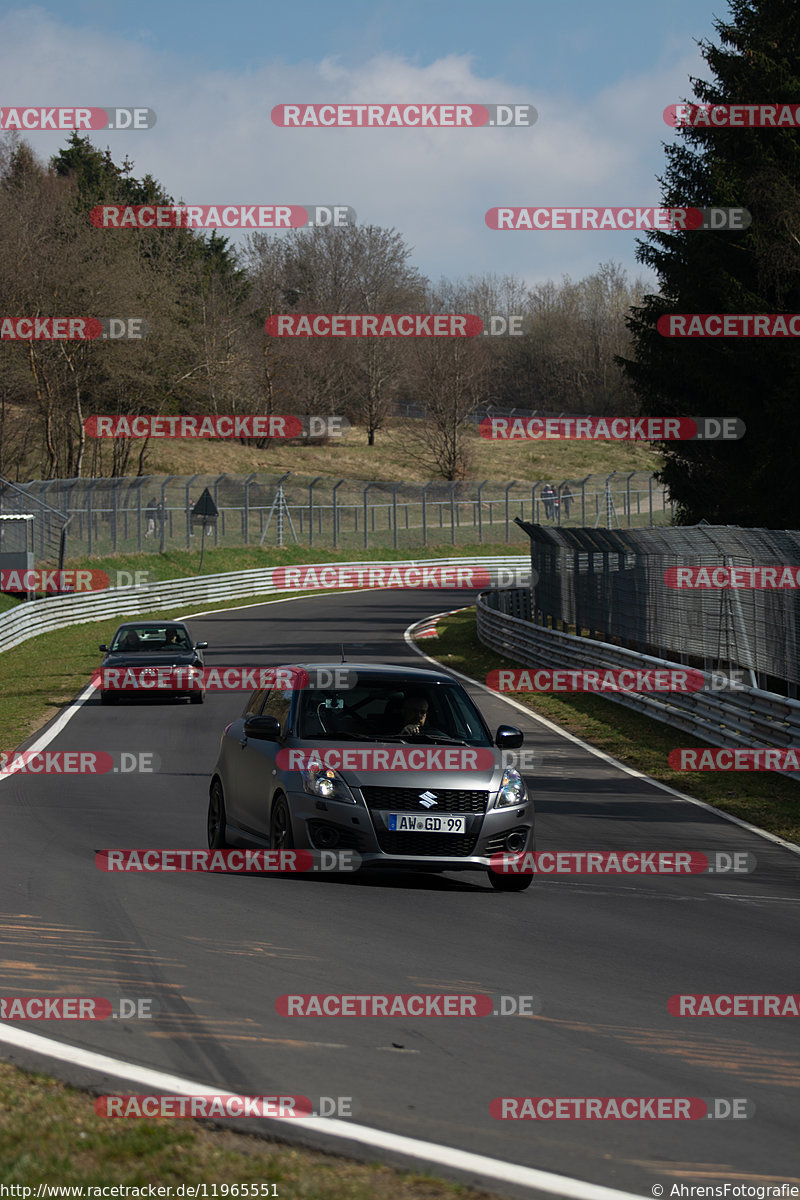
{"x":197,"y":697}
{"x":280,"y":826}
{"x":509,"y":883}
{"x":215,"y":824}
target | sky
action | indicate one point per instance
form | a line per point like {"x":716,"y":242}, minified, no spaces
{"x":599,"y":76}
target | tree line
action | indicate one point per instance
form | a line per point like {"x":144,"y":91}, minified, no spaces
{"x":205,"y":303}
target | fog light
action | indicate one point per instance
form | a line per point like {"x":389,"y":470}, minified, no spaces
{"x":325,"y":837}
{"x":516,"y":842}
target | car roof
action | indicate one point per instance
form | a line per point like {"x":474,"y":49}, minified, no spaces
{"x":423,"y":674}
{"x":148,"y":624}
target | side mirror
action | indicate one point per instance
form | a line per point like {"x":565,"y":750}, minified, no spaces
{"x":508,"y":738}
{"x":264,"y":729}
{"x":201,"y":645}
{"x":103,"y":647}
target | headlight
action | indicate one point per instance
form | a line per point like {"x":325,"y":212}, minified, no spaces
{"x":326,"y":783}
{"x":512,"y":789}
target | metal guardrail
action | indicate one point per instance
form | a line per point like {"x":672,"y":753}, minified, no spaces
{"x":30,"y":619}
{"x":747,"y":717}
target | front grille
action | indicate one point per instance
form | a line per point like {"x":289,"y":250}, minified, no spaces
{"x":429,"y":845}
{"x":407,"y":800}
{"x":496,"y":844}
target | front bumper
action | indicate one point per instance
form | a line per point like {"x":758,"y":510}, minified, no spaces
{"x":328,"y":824}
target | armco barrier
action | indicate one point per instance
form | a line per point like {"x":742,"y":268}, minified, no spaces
{"x":745,"y":717}
{"x":30,"y":619}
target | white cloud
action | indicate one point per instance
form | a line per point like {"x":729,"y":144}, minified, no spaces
{"x":214,"y":142}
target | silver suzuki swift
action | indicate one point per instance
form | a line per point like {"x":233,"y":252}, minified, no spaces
{"x":393,"y":763}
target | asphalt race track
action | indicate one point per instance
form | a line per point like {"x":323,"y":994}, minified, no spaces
{"x":602,"y":954}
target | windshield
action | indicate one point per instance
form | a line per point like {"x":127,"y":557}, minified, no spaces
{"x":392,"y":709}
{"x":132,"y":639}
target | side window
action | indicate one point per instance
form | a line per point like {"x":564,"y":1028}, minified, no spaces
{"x":253,"y":706}
{"x":277,"y":705}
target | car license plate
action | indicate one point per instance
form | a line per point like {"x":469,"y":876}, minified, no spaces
{"x":425,"y":823}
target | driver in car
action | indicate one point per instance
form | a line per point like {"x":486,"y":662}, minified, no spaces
{"x":413,"y":714}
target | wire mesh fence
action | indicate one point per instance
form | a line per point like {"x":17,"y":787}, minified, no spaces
{"x":31,"y":529}
{"x":613,"y":585}
{"x":152,"y":512}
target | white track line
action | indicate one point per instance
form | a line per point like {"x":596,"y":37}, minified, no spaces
{"x":571,"y":737}
{"x":426,"y":1152}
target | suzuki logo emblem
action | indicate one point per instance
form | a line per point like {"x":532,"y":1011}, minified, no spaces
{"x":428,"y":799}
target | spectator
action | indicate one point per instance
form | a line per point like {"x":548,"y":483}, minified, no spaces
{"x":566,"y":498}
{"x":161,"y":518}
{"x":547,"y":495}
{"x":151,"y":518}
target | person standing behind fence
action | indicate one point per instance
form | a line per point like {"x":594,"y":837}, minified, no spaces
{"x":566,"y":499}
{"x":547,"y":496}
{"x":151,"y":517}
{"x":161,"y":518}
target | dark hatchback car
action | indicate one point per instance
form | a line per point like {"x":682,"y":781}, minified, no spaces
{"x":265,"y":792}
{"x":159,"y":656}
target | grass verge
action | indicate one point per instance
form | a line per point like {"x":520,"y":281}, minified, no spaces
{"x":179,"y":564}
{"x":764,"y":799}
{"x":51,"y":1134}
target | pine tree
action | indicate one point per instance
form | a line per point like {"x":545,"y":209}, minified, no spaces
{"x":751,"y":482}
